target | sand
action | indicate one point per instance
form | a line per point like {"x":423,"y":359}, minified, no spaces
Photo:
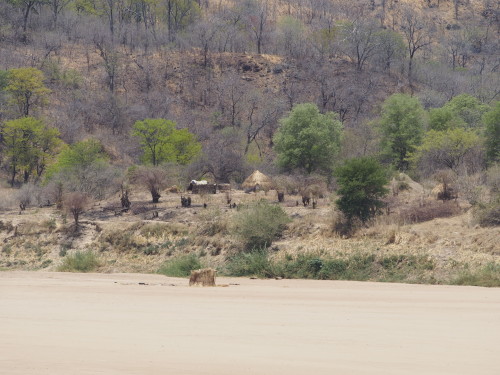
{"x":57,"y":323}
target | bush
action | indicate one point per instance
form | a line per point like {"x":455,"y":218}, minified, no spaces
{"x":259,"y":224}
{"x":359,"y":267}
{"x":180,"y":266}
{"x":254,"y":263}
{"x":81,"y":261}
{"x":488,"y":215}
{"x":488,"y":276}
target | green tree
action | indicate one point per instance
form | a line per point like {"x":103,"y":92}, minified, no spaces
{"x":308,"y":139}
{"x":163,"y":143}
{"x":361,"y":184}
{"x":491,"y":120}
{"x":452,"y":148}
{"x":26,"y":89}
{"x":467,"y":109}
{"x":30,"y":146}
{"x":84,"y":167}
{"x":402,"y":128}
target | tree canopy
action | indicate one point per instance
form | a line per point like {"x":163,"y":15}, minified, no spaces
{"x":30,"y":146}
{"x":402,"y":128}
{"x":452,"y":148}
{"x":308,"y":139}
{"x":26,"y":89}
{"x":492,"y":132}
{"x":361,"y":184}
{"x":163,"y":143}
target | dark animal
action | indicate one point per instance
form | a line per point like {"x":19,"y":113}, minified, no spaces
{"x":306,"y":201}
{"x":281,"y":196}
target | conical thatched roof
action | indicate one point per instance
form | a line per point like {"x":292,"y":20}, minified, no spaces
{"x":257,"y":179}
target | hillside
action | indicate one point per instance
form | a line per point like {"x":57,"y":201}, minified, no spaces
{"x":229,"y":72}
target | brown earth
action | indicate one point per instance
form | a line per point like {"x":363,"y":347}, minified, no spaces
{"x":57,"y":323}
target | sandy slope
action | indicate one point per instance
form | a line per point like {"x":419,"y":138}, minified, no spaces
{"x":55,"y":323}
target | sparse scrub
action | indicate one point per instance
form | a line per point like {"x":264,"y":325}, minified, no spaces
{"x":180,"y":266}
{"x":81,"y":261}
{"x":431,"y":210}
{"x":259,"y":225}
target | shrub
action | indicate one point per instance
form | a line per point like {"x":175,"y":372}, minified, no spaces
{"x":488,"y":276}
{"x":81,"y":261}
{"x":488,"y":215}
{"x":254,"y":263}
{"x":259,"y":224}
{"x":180,"y":266}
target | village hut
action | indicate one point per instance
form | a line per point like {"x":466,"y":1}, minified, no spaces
{"x":257,"y":181}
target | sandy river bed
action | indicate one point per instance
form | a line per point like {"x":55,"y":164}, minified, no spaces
{"x":57,"y":323}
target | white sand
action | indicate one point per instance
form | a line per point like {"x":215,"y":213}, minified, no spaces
{"x":71,"y":324}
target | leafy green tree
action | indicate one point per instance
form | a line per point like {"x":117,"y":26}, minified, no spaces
{"x":443,"y":118}
{"x":308,"y":139}
{"x":30,"y":146}
{"x":452,"y":148}
{"x":491,"y":120}
{"x":361,"y":184}
{"x":163,"y":143}
{"x":84,"y":167}
{"x":26,"y":89}
{"x":402,"y":128}
{"x":467,"y":110}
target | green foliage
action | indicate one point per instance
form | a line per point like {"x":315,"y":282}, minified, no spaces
{"x":26,"y":89}
{"x":467,"y":109}
{"x":308,"y":139}
{"x":163,"y":143}
{"x":463,"y":111}
{"x":254,"y":263}
{"x":446,"y":149}
{"x":180,"y":266}
{"x":81,"y":261}
{"x":258,"y":225}
{"x":441,"y":119}
{"x":361,"y":184}
{"x":402,"y":126}
{"x":360,"y":267}
{"x":4,"y":79}
{"x":79,"y":156}
{"x":30,"y":146}
{"x":488,"y":276}
{"x":491,"y":120}
{"x":84,"y":167}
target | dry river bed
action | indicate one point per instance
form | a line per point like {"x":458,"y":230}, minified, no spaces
{"x":58,"y":323}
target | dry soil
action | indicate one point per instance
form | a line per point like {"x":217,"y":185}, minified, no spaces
{"x":57,"y":323}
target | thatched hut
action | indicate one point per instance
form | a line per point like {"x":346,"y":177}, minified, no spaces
{"x":257,"y":181}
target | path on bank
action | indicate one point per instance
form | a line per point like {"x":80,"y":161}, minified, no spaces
{"x":58,"y":323}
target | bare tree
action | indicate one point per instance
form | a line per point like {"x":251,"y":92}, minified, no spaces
{"x":76,"y":203}
{"x":417,"y":35}
{"x":153,"y":178}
